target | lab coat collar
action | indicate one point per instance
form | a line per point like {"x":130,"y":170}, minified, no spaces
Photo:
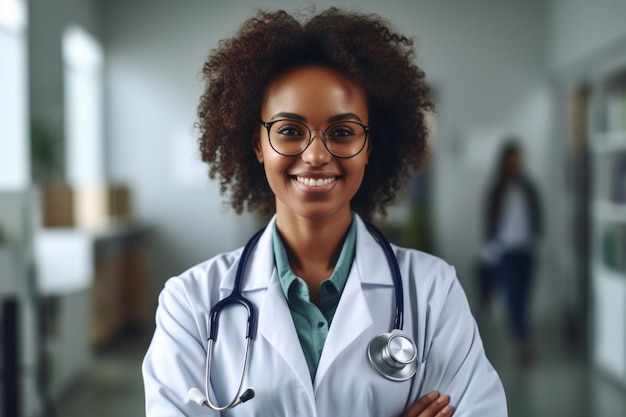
{"x":262,"y":257}
{"x":370,"y":268}
{"x":370,"y":260}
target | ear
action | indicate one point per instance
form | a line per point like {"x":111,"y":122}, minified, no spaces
{"x":255,"y":141}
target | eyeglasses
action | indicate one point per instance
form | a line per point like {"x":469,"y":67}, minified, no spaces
{"x":342,"y":139}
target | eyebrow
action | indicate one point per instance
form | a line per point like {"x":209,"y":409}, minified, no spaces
{"x":287,"y":115}
{"x":344,"y":116}
{"x":295,"y":116}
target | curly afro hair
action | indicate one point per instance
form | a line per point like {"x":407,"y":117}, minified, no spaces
{"x":365,"y":48}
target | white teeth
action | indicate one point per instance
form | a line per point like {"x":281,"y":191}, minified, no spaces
{"x":312,"y":182}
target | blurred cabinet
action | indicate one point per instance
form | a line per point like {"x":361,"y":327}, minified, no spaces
{"x":119,"y":293}
{"x":607,"y":135}
{"x":95,"y":287}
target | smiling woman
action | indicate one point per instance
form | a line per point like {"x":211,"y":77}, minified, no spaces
{"x":317,"y":121}
{"x":364,"y":48}
{"x":310,"y":181}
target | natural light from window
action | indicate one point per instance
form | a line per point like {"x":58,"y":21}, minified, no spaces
{"x":14,"y":149}
{"x":83,"y":82}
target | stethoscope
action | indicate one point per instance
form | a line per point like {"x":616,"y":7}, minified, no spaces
{"x":393,"y":354}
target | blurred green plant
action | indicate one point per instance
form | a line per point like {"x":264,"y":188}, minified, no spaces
{"x":46,"y":150}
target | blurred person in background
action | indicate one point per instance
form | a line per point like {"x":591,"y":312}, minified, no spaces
{"x":512,"y":231}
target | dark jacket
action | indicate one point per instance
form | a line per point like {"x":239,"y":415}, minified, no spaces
{"x":495,"y":199}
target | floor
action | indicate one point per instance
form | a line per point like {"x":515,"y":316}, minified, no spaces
{"x":559,"y":383}
{"x":113,"y":387}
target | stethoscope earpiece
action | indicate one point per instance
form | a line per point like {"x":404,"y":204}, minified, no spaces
{"x":196,"y":396}
{"x":393,"y":355}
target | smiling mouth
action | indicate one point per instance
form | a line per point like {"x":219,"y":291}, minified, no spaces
{"x":316,"y":182}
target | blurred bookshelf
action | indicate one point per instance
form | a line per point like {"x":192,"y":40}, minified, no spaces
{"x":607,"y":137}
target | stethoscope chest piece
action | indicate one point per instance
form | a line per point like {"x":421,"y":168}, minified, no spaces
{"x":394,"y":355}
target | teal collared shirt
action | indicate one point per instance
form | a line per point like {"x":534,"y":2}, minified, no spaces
{"x":312,"y":322}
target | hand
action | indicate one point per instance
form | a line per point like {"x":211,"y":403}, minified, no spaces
{"x":430,"y":405}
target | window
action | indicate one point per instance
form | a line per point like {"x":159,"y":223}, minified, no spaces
{"x":14,"y":149}
{"x":83,"y":79}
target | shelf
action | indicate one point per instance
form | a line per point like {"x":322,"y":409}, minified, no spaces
{"x":52,"y":249}
{"x":609,"y":142}
{"x":606,"y":211}
{"x":54,"y":246}
{"x":608,"y":274}
{"x":609,"y":297}
{"x":8,"y":272}
{"x":605,"y":119}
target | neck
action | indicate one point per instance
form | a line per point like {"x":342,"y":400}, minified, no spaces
{"x":313,"y":246}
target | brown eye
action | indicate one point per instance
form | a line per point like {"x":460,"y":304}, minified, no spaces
{"x":288,"y":130}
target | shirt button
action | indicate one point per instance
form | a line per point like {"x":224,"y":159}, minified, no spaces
{"x":320,"y":324}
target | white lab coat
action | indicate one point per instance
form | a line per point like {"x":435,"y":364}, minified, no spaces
{"x":436,"y":316}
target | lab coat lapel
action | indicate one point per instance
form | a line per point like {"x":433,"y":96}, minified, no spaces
{"x":354,"y":316}
{"x":276,"y":326}
{"x":275,"y":323}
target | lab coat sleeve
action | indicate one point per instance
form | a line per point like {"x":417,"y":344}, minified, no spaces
{"x":176,"y":357}
{"x":456,"y":363}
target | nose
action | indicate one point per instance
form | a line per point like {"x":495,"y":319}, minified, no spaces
{"x":316,"y":153}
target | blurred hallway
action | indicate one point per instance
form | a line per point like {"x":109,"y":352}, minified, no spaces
{"x":559,"y":383}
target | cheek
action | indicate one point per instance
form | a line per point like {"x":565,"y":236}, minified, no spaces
{"x":361,"y":163}
{"x":357,"y":170}
{"x":275,"y":165}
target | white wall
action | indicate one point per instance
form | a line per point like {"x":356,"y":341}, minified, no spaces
{"x":486,"y":59}
{"x":579,"y":29}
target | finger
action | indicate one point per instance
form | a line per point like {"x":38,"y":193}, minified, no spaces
{"x":420,"y":405}
{"x":445,"y":411}
{"x":435,"y":408}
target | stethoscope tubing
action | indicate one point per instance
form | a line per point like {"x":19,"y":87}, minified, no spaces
{"x":395,"y":273}
{"x":235,"y":296}
{"x":237,"y":399}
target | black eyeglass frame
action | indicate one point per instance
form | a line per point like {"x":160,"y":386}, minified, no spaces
{"x":268,"y":126}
